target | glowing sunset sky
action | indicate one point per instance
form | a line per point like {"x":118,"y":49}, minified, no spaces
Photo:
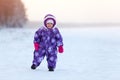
{"x":74,"y":10}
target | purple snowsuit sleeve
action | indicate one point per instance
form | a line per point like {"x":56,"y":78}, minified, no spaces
{"x":37,"y":36}
{"x":59,"y":38}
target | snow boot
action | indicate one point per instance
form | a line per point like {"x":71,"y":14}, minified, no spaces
{"x":33,"y":66}
{"x":51,"y":69}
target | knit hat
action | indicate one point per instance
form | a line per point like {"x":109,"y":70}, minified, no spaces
{"x":50,"y":21}
{"x":49,"y":18}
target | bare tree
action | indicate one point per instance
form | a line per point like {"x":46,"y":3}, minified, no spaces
{"x":12,"y":13}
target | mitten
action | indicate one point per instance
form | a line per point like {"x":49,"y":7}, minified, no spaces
{"x":60,"y":49}
{"x":36,"y":46}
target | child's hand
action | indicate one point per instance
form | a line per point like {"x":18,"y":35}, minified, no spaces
{"x":60,"y":49}
{"x":36,"y":46}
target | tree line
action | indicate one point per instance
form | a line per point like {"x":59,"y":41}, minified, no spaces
{"x":12,"y":13}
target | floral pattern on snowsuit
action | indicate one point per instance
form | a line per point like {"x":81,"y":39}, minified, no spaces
{"x":49,"y":40}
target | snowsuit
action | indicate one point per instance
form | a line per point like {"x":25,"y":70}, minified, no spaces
{"x":49,"y":40}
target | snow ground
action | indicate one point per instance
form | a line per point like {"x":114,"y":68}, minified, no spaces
{"x":90,"y":54}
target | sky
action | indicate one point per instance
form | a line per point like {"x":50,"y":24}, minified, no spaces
{"x":78,"y":11}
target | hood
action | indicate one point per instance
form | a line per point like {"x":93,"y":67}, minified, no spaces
{"x":49,"y":17}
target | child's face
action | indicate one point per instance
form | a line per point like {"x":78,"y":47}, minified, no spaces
{"x":49,"y":25}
